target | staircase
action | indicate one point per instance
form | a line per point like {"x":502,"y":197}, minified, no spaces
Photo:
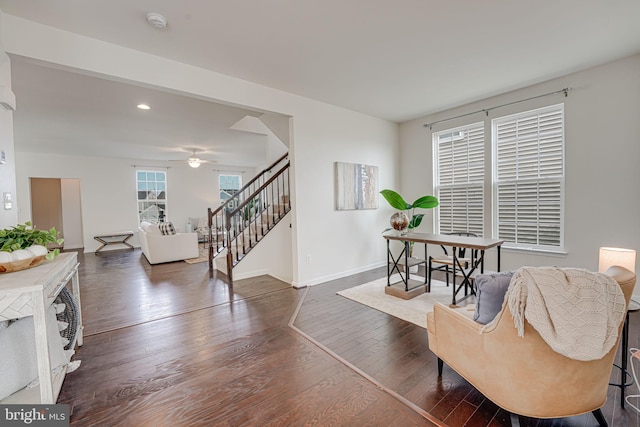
{"x":241,"y":222}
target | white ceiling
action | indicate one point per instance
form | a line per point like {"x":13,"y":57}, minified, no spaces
{"x":396,"y":60}
{"x":68,"y":113}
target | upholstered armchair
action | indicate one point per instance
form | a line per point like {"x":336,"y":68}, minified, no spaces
{"x":522,"y":375}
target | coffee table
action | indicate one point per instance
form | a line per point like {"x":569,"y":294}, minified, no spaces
{"x":117,"y":238}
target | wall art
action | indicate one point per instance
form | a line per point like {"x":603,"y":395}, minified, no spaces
{"x":356,"y":186}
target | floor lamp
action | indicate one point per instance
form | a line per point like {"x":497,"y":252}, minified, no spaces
{"x":625,"y":258}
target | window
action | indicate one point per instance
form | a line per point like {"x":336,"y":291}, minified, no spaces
{"x":152,"y":195}
{"x":459,"y":179}
{"x":229,"y":185}
{"x":528,"y":178}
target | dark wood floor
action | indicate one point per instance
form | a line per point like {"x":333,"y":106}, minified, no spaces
{"x":168,"y":345}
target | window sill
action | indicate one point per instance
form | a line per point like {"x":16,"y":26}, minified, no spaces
{"x":552,"y":252}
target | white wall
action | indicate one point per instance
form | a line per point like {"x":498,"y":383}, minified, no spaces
{"x":108,"y":191}
{"x":7,"y":171}
{"x":602,"y":134}
{"x":338,"y":243}
{"x":268,"y":256}
{"x":334,"y":243}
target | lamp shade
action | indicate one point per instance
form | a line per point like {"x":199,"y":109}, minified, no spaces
{"x":617,"y":256}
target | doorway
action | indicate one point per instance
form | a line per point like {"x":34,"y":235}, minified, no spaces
{"x":55,"y":202}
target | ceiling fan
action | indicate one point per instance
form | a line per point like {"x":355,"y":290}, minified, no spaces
{"x":194,"y":161}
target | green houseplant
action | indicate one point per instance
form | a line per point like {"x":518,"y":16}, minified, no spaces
{"x":396,"y":201}
{"x":26,"y":235}
{"x":414,"y":220}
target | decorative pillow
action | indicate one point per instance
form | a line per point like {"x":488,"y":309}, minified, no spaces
{"x":490,"y":290}
{"x":166,"y":228}
{"x":150,"y":228}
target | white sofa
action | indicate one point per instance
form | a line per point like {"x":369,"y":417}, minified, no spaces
{"x":158,"y":248}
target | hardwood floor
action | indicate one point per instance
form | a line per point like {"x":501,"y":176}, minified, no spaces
{"x":168,"y":345}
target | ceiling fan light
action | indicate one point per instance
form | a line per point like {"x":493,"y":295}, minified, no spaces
{"x":194,"y":162}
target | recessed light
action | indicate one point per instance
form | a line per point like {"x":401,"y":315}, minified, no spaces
{"x":144,"y":107}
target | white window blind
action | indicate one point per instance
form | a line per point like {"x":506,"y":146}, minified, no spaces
{"x":459,"y":179}
{"x":529,"y":178}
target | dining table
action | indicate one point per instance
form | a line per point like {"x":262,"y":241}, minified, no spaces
{"x":405,"y":259}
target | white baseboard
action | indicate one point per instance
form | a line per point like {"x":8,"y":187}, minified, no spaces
{"x":338,"y":275}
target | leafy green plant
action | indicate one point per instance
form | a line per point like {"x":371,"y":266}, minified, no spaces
{"x":424,"y":202}
{"x":24,"y":235}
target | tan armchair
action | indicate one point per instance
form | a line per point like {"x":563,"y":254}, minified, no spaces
{"x":522,"y":375}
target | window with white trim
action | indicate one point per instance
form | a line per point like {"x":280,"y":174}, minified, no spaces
{"x":151,"y":189}
{"x":229,"y":185}
{"x":528,"y":178}
{"x":459,"y":179}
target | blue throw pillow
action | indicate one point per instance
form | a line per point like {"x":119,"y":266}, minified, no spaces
{"x":490,"y":290}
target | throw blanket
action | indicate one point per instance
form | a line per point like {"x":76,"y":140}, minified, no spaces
{"x":577,"y":312}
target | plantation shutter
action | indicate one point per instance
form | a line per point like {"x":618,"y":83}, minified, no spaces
{"x":529,"y":177}
{"x":459,"y":179}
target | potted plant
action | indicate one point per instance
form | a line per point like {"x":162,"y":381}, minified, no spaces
{"x":403,"y":221}
{"x":413,"y":220}
{"x":24,"y":246}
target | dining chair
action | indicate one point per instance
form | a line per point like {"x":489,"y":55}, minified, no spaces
{"x":445,"y":261}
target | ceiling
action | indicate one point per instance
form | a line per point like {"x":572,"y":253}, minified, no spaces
{"x":68,"y":113}
{"x":396,"y":60}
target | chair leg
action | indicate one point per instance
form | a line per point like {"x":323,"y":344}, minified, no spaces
{"x":601,"y":421}
{"x":447,"y":274}
{"x":429,"y":276}
{"x":515,"y":420}
{"x":440,"y":366}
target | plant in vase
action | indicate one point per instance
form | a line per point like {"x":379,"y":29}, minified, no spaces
{"x":407,"y":219}
{"x":413,"y":220}
{"x":24,"y":242}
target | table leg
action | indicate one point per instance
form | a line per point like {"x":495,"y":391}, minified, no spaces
{"x":388,"y":265}
{"x":425,"y":263}
{"x":498,"y":258}
{"x":623,"y":362}
{"x":406,"y":266}
{"x":42,"y":348}
{"x":455,"y":258}
{"x":75,"y":285}
{"x":103,"y":244}
{"x":127,"y":243}
{"x":390,"y":270}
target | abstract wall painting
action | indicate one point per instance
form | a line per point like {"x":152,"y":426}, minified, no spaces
{"x":356,"y":186}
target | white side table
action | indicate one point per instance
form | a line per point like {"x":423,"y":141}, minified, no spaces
{"x":29,"y":293}
{"x":624,"y":372}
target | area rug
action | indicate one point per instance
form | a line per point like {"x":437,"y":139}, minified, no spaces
{"x":414,"y":310}
{"x":203,"y":257}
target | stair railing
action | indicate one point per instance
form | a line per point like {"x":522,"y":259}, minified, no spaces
{"x":248,"y":215}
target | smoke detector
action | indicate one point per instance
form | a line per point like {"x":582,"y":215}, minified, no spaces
{"x":156,"y":20}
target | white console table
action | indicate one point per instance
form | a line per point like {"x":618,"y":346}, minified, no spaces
{"x":29,"y":293}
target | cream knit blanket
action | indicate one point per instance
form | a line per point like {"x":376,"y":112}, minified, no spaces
{"x":576,"y":311}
